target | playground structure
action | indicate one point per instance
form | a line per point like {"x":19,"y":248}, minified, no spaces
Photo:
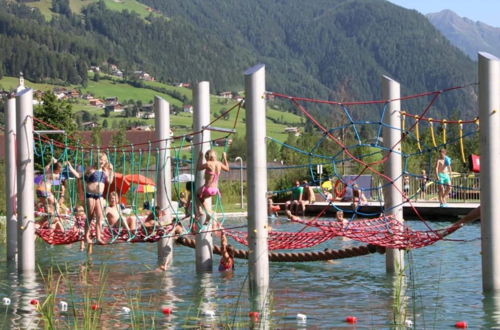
{"x":387,"y":232}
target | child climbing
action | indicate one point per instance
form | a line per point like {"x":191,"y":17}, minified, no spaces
{"x":227,"y":252}
{"x":212,"y":168}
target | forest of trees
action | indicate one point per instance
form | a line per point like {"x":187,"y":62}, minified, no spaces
{"x":325,"y":49}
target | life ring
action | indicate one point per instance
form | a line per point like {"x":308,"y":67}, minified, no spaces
{"x":339,"y":193}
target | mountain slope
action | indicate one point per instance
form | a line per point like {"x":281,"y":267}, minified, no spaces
{"x":330,"y":49}
{"x":467,"y":35}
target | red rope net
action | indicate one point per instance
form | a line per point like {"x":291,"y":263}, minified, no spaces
{"x":111,"y":235}
{"x":384,"y":231}
{"x":278,"y":240}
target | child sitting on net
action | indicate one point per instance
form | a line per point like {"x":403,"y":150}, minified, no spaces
{"x":212,"y":168}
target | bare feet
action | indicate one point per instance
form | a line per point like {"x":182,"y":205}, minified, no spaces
{"x":82,"y":245}
{"x":289,"y":214}
{"x":90,"y":248}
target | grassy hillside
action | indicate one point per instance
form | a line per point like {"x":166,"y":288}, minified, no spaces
{"x":77,"y":5}
{"x":182,"y":122}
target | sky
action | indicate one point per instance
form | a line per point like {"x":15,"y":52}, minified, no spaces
{"x":486,"y":11}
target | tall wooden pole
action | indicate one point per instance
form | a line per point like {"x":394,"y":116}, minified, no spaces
{"x":201,"y":113}
{"x":489,"y":118}
{"x":393,"y":200}
{"x":163,"y":175}
{"x":25,"y":181}
{"x":255,"y":104}
{"x":10,"y":177}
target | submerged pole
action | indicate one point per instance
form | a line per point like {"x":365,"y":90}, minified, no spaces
{"x":10,"y":177}
{"x":489,"y":118}
{"x":393,"y":199}
{"x":255,"y":104}
{"x":201,"y":114}
{"x":163,"y":176}
{"x":25,"y":181}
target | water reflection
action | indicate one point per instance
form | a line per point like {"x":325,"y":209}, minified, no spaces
{"x":399,"y":315}
{"x":204,"y":306}
{"x":28,"y":289}
{"x":444,"y":286}
{"x":491,"y":307}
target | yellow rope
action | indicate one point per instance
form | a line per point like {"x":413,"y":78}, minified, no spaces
{"x":417,"y":135}
{"x":431,"y":127}
{"x":403,"y":121}
{"x":461,"y":140}
{"x":443,"y":123}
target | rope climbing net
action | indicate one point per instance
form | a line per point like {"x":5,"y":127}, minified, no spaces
{"x":86,"y":192}
{"x":353,"y":143}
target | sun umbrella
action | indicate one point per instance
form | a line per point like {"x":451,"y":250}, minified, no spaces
{"x":145,"y":188}
{"x":119,"y":184}
{"x":184,"y":177}
{"x":139,"y":179}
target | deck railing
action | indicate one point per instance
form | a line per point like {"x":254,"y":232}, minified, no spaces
{"x":465,"y":188}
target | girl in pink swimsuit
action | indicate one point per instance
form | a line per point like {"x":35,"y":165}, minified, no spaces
{"x":212,"y":169}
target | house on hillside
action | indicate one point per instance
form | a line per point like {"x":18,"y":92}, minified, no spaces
{"x":96,"y":103}
{"x":115,"y":71}
{"x":145,"y":114}
{"x":187,"y":108}
{"x":111,"y":100}
{"x":141,"y":75}
{"x":292,"y":130}
{"x":114,"y":108}
{"x":89,"y":125}
{"x":74,"y":93}
{"x":185,"y":85}
{"x":225,"y":95}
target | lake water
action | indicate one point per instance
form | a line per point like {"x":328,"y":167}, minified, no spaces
{"x":443,"y":286}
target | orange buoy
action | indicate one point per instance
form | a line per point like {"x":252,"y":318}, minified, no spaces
{"x":351,"y":319}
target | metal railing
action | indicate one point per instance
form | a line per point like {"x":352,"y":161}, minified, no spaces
{"x":465,"y":188}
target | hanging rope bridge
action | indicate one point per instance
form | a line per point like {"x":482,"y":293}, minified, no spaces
{"x":360,"y":145}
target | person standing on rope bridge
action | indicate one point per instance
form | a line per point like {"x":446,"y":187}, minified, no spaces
{"x":51,"y":173}
{"x":443,"y":171}
{"x":95,"y":178}
{"x":294,"y":202}
{"x":212,"y":169}
{"x":227,"y":255}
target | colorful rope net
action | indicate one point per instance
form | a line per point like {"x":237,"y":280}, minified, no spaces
{"x":358,"y":145}
{"x":97,"y":193}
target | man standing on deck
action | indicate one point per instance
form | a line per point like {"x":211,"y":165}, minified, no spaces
{"x":443,"y":172}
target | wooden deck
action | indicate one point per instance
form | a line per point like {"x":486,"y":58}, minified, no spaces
{"x":428,"y":210}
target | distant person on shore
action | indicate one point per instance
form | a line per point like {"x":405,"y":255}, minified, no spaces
{"x":308,"y":197}
{"x":406,"y":186}
{"x":295,"y":201}
{"x":212,"y":168}
{"x":423,"y":184}
{"x":358,"y":197}
{"x":443,"y":172}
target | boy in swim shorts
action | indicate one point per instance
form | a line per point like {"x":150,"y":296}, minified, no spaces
{"x":443,"y":171}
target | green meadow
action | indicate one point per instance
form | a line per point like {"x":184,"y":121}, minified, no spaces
{"x":181,"y":122}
